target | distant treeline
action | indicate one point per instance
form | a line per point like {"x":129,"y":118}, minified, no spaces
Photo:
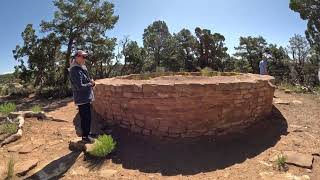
{"x":7,"y":78}
{"x":80,"y":24}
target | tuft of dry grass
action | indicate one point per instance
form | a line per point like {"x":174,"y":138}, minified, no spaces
{"x":10,"y":169}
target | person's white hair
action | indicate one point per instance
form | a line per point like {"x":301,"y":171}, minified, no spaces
{"x":267,"y":56}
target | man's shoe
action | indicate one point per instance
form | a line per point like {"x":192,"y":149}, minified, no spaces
{"x":88,"y":140}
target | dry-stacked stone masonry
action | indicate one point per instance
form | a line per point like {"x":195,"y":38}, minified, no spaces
{"x":184,"y":106}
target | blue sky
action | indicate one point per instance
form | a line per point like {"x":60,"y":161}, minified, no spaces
{"x":271,"y":19}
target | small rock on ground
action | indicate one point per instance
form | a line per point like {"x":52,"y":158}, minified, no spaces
{"x":280,"y":101}
{"x":287,"y":91}
{"x":15,"y":148}
{"x":27,"y":148}
{"x":297,"y":102}
{"x":24,"y":167}
{"x":299,"y":159}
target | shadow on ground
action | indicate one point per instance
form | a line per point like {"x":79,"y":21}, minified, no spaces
{"x":189,"y":157}
{"x":57,"y":168}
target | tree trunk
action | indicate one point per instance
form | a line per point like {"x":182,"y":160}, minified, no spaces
{"x":201,"y":55}
{"x":67,"y":62}
{"x":101,"y":70}
{"x":157,"y":60}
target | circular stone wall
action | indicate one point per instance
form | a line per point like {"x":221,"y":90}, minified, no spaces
{"x":184,"y":106}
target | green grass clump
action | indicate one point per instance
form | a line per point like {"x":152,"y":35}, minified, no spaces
{"x":8,"y":128}
{"x":103,"y":146}
{"x":7,"y":108}
{"x":281,"y":163}
{"x":10,"y":169}
{"x":36,"y":109}
{"x":206,"y":71}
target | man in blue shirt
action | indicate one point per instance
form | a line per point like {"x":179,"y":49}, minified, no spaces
{"x":263,"y":64}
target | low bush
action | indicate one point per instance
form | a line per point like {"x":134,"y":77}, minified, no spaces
{"x":103,"y":146}
{"x":54,"y":92}
{"x":206,"y":71}
{"x":16,"y":89}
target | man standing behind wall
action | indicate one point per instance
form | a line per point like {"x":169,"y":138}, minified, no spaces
{"x":263,"y":65}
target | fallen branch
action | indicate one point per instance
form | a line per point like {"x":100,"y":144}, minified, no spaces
{"x":20,"y":117}
{"x":31,"y":114}
{"x":21,"y":121}
{"x":12,"y":138}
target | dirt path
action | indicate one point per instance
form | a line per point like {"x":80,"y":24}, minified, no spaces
{"x":293,"y":127}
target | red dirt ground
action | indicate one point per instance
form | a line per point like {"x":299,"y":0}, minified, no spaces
{"x":294,"y":127}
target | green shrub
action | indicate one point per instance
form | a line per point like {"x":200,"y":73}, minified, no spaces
{"x":206,"y":71}
{"x":54,"y":92}
{"x":103,"y":146}
{"x":8,"y":128}
{"x":16,"y":89}
{"x":281,"y":163}
{"x":7,"y":108}
{"x":36,"y":108}
{"x":10,"y":169}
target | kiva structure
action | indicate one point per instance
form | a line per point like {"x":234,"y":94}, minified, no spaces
{"x":184,"y":106}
